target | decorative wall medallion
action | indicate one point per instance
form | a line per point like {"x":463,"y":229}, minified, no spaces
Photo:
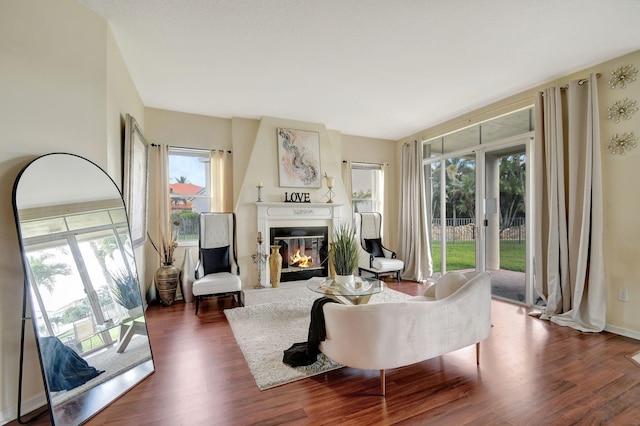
{"x":623,"y":109}
{"x":623,"y":76}
{"x":620,"y":145}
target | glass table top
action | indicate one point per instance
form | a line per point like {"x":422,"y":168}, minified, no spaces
{"x":357,"y":293}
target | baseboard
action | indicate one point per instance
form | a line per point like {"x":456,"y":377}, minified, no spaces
{"x":622,"y":331}
{"x":28,"y":405}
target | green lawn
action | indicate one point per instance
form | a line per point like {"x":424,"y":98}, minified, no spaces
{"x":462,"y":255}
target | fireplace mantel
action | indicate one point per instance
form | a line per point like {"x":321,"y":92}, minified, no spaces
{"x":288,"y":214}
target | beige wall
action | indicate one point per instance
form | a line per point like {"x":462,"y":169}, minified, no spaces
{"x":620,"y":177}
{"x":253,"y":143}
{"x":64,"y":86}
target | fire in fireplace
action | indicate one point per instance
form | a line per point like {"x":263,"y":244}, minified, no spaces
{"x":304,"y":251}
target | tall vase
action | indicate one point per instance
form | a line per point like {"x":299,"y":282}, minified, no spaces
{"x":332,"y":265}
{"x":167,"y":278}
{"x":275,"y":266}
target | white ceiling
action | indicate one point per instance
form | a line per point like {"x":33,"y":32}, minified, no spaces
{"x":376,"y":68}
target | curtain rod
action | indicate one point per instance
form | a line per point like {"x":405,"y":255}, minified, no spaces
{"x":581,"y":82}
{"x":219,"y":150}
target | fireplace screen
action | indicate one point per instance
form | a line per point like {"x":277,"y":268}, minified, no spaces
{"x":303,"y":250}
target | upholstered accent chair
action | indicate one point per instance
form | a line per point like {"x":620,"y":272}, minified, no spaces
{"x":382,"y":336}
{"x":217,"y":272}
{"x":374,"y":258}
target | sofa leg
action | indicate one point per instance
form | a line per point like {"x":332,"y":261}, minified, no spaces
{"x":478,"y":353}
{"x":383,"y":382}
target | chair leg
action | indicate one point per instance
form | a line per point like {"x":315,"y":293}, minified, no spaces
{"x":478,"y":353}
{"x":383,"y":384}
{"x":398,"y":276}
{"x":197,"y":304}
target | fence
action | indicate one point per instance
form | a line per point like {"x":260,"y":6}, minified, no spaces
{"x":463,"y":229}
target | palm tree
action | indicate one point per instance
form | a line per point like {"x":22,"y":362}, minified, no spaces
{"x":44,"y":274}
{"x":512,"y":189}
{"x":177,"y":201}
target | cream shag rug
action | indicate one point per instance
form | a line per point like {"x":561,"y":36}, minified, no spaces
{"x":265,"y":331}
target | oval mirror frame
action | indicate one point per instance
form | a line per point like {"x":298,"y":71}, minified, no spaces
{"x":81,"y":279}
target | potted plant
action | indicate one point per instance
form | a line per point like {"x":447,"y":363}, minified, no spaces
{"x":345,"y":253}
{"x":126,"y":292}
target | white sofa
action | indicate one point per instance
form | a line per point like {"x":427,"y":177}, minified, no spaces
{"x":454,"y":313}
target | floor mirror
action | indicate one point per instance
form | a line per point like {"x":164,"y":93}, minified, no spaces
{"x":82,"y":292}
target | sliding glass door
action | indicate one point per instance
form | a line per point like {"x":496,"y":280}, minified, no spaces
{"x":476,"y":189}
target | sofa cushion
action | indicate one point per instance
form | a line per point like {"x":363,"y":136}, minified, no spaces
{"x":215,"y":260}
{"x":449,"y":284}
{"x":374,"y":246}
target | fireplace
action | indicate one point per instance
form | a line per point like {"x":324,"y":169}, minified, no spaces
{"x":298,"y":217}
{"x":304,"y":251}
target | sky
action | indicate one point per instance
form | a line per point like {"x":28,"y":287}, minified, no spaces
{"x":190,"y":167}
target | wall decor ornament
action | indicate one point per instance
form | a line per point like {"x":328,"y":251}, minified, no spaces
{"x":620,"y":145}
{"x":623,"y":109}
{"x":299,"y":158}
{"x":622,"y":76}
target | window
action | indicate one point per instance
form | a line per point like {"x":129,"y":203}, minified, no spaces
{"x":367,"y":185}
{"x":60,"y":249}
{"x":189,"y":188}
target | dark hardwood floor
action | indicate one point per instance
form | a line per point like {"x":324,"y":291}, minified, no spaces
{"x":531,"y":372}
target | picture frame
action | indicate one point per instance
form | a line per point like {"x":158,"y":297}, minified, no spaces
{"x":135,"y":180}
{"x":299,"y":158}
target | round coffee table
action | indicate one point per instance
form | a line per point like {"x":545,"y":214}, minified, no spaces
{"x":359,"y":294}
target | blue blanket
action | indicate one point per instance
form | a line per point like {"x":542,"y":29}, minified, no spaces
{"x":63,"y":367}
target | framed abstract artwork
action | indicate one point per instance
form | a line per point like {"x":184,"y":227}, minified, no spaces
{"x":135,"y":170}
{"x":299,"y":158}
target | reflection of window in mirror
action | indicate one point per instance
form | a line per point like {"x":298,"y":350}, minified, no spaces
{"x":367,"y":185}
{"x":61,"y":248}
{"x":197,"y":180}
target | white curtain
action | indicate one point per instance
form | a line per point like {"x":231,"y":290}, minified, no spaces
{"x":569,"y":266}
{"x":163,"y":199}
{"x":346,"y":180}
{"x":221,"y":181}
{"x":415,"y":249}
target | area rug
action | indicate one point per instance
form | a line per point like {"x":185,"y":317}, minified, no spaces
{"x":264,"y":331}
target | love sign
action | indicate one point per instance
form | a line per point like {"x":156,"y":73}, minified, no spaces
{"x":297,"y":197}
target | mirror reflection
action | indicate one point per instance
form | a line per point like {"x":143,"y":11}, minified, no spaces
{"x":85,"y":296}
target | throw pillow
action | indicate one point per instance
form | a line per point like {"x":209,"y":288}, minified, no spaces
{"x":374,"y":246}
{"x":449,"y":284}
{"x":215,"y":260}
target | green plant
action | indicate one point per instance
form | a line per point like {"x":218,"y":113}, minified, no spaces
{"x":345,"y":249}
{"x":125,"y":289}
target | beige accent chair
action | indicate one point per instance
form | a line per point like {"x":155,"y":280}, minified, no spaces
{"x":391,"y":335}
{"x":373,"y":257}
{"x":217,"y":272}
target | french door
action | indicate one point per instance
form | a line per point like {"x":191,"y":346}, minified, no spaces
{"x":479,"y":205}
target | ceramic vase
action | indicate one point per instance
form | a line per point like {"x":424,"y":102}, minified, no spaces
{"x":332,"y":266}
{"x":167,"y":278}
{"x":275,"y":266}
